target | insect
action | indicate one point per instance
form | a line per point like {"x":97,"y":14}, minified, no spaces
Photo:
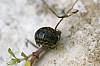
{"x":47,"y":37}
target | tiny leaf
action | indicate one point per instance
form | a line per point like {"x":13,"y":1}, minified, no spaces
{"x":11,"y":53}
{"x":24,"y":55}
{"x":13,"y":61}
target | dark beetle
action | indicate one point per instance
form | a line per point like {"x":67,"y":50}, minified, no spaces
{"x":47,"y":37}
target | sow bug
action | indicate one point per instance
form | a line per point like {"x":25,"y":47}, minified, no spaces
{"x":47,"y":37}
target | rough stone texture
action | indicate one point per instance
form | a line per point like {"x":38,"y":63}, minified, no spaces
{"x":80,"y":41}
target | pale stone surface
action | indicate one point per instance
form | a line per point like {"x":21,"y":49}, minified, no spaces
{"x":80,"y":41}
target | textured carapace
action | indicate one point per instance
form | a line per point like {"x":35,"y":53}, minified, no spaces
{"x":47,"y":37}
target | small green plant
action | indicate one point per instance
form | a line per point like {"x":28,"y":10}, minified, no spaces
{"x":16,"y":60}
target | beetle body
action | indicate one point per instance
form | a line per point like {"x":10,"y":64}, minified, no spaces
{"x":47,"y":37}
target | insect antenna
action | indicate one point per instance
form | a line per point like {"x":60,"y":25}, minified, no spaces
{"x":64,"y":16}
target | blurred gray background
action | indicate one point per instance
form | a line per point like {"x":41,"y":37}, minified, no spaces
{"x":80,"y":41}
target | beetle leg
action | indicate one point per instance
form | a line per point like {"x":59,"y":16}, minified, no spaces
{"x":66,"y":14}
{"x":50,"y":8}
{"x":72,"y":7}
{"x":28,"y":41}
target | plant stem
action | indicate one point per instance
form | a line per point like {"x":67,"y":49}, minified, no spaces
{"x":36,"y":55}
